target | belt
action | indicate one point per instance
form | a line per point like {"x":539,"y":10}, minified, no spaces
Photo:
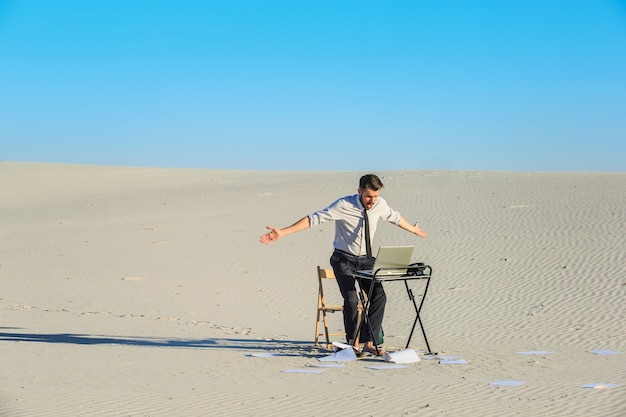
{"x":351,"y":255}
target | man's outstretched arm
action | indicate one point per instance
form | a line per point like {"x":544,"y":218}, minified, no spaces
{"x":275,"y":234}
{"x":413,"y":228}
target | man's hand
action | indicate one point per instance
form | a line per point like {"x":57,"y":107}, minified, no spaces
{"x":275,"y":234}
{"x":272,"y":235}
{"x":419,"y":231}
{"x":413,"y":228}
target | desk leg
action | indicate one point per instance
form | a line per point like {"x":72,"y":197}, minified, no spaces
{"x":417,"y":317}
{"x":365,"y":306}
{"x":369,"y":324}
{"x":365,"y":318}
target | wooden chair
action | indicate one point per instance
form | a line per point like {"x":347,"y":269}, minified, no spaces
{"x":323,"y":308}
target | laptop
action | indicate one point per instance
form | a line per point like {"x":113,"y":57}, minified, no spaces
{"x":393,"y":259}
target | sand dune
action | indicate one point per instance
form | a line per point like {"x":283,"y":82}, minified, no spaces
{"x":141,"y":292}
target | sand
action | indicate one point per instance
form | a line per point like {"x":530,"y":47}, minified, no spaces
{"x":146,"y":292}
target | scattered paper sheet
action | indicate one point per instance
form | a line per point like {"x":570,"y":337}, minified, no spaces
{"x":599,"y":385}
{"x":263,"y":355}
{"x":303,"y":371}
{"x":345,"y":355}
{"x":446,"y":357}
{"x":341,"y":345}
{"x":453,"y":362}
{"x":536,"y":352}
{"x":507,"y":383}
{"x":386,"y":367}
{"x":326,"y":365}
{"x":605,"y":352}
{"x":402,"y":356}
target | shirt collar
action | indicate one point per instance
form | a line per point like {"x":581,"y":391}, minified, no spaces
{"x":360,"y":206}
{"x":358,"y":202}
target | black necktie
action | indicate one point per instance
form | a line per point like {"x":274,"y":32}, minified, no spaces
{"x":368,"y":243}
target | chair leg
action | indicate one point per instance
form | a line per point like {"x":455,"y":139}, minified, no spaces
{"x":358,"y":334}
{"x":317,"y":327}
{"x":328,"y":344}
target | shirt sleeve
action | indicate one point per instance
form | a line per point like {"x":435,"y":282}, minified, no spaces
{"x":387,"y":213}
{"x":328,"y":214}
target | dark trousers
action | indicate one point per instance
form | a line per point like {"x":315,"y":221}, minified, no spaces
{"x":345,"y":265}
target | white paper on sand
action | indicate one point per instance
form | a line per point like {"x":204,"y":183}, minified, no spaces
{"x":599,"y":385}
{"x":447,"y":359}
{"x":441,"y":357}
{"x":386,"y":367}
{"x":507,"y":383}
{"x":452,"y":362}
{"x":402,"y":356}
{"x":263,"y":355}
{"x":302,"y":371}
{"x":341,"y":345}
{"x":326,"y":365}
{"x":605,"y":352}
{"x":535,"y":352}
{"x":346,"y":354}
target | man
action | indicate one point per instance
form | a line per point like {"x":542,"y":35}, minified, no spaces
{"x":353,"y":251}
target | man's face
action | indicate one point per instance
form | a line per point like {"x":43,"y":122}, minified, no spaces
{"x":368,"y":197}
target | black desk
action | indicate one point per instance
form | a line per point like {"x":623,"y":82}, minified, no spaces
{"x":415,"y":272}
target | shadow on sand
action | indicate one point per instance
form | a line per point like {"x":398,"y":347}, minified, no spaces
{"x":290,"y":346}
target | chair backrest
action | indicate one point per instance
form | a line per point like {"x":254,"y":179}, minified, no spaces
{"x":325,"y":273}
{"x":323,"y":308}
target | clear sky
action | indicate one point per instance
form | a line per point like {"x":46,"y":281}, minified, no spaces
{"x":523,"y":85}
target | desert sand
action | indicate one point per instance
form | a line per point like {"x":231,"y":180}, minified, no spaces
{"x":145,"y":292}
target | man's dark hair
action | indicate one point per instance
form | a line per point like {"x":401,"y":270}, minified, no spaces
{"x":370,"y":181}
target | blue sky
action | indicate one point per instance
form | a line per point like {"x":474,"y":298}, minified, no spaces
{"x":316,"y":85}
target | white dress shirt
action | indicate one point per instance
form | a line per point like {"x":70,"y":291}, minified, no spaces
{"x":347,"y":213}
